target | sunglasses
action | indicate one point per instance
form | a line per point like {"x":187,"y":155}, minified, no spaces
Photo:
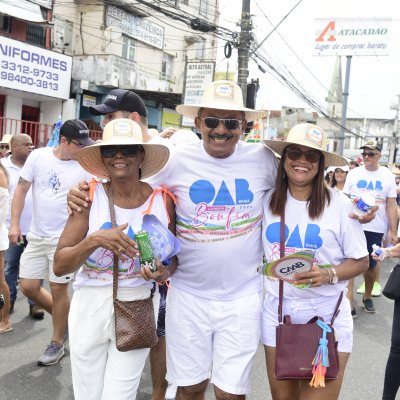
{"x":339,"y":171}
{"x":2,"y":146}
{"x":230,"y":124}
{"x":296,"y":154}
{"x":369,"y":154}
{"x":75,"y":143}
{"x":125,"y":151}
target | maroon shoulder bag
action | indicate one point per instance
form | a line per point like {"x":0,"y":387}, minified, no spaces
{"x":305,"y":351}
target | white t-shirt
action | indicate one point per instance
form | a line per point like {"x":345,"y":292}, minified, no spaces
{"x":380,"y":184}
{"x":219,"y":213}
{"x":51,"y":180}
{"x":98,"y":268}
{"x":13,"y":177}
{"x":334,"y":237}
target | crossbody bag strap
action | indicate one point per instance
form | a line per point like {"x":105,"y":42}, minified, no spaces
{"x":114,"y":224}
{"x":281,"y":254}
{"x":337,"y":309}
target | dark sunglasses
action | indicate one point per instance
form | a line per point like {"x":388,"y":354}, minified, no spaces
{"x":370,"y":155}
{"x":75,"y":143}
{"x":230,"y":124}
{"x":4,"y":146}
{"x":125,"y":151}
{"x":339,"y":171}
{"x":296,"y":154}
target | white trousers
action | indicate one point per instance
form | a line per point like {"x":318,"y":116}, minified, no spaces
{"x":99,"y":370}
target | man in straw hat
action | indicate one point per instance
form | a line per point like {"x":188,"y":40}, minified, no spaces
{"x":51,"y":172}
{"x":215,"y":300}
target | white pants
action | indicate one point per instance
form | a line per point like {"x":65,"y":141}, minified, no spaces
{"x":99,"y":370}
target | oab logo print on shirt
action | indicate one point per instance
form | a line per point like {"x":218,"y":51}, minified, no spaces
{"x":101,"y":261}
{"x":310,"y":239}
{"x":375,"y":188}
{"x":224,"y":209}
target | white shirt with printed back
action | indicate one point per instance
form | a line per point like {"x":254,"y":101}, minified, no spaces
{"x":219,"y":213}
{"x":51,"y":179}
{"x":333,"y":237}
{"x":380,"y":184}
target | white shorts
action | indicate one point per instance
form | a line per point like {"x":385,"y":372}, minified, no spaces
{"x":212,"y":339}
{"x":37,"y":260}
{"x":302,"y":310}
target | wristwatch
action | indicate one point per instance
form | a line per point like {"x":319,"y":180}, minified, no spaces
{"x":334,"y":278}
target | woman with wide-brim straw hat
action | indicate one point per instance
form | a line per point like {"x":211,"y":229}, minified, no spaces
{"x":99,"y":370}
{"x":316,"y":219}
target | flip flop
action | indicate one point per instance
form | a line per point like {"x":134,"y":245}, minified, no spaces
{"x":5,"y":330}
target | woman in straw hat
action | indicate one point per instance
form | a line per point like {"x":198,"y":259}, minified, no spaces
{"x":121,"y":160}
{"x":316,"y":219}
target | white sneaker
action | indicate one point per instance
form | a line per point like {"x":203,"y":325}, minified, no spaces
{"x":171,"y":392}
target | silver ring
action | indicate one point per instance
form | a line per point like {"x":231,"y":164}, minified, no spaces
{"x":310,"y":281}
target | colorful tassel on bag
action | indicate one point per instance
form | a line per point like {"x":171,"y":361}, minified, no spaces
{"x":321,"y":359}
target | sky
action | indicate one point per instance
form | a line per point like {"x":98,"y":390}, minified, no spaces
{"x":374,"y":81}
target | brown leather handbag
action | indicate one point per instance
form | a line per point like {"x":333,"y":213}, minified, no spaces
{"x":305,"y":351}
{"x":135,"y":326}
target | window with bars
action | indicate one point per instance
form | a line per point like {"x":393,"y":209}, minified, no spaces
{"x":166,"y":66}
{"x":203,"y":8}
{"x":35,"y":35}
{"x":5,"y":23}
{"x":128,"y":48}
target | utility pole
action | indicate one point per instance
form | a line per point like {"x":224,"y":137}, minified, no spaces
{"x":245,"y":40}
{"x":393,"y":141}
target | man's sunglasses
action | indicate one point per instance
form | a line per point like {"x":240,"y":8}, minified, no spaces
{"x":229,"y":123}
{"x":311,"y":156}
{"x":125,"y":151}
{"x":370,"y":155}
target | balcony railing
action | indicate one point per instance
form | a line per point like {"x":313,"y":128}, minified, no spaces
{"x":40,"y":133}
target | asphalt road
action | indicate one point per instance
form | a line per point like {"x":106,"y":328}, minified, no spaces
{"x":22,"y":379}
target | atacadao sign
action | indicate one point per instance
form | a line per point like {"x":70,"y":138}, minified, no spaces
{"x":352,"y":37}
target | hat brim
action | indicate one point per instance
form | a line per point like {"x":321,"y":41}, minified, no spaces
{"x":192,"y":110}
{"x":102,"y":109}
{"x":156,"y":156}
{"x":331,"y":159}
{"x":371,"y":148}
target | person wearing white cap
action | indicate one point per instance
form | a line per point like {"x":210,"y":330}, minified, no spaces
{"x":339,"y":177}
{"x":316,"y":219}
{"x":377,"y":181}
{"x":5,"y":145}
{"x":89,"y":244}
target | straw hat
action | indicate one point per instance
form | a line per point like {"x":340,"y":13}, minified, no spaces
{"x":123,"y":132}
{"x":220,"y":95}
{"x":6,"y":138}
{"x":311,"y":136}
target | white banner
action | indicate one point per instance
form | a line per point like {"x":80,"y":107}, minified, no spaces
{"x":135,"y":27}
{"x":198,"y":75}
{"x":352,"y":37}
{"x":33,"y":69}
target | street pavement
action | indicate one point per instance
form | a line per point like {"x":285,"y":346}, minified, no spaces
{"x":22,"y":379}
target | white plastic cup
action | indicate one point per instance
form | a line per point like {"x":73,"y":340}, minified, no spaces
{"x":365,"y":202}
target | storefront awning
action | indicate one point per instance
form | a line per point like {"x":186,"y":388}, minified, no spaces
{"x":22,"y":9}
